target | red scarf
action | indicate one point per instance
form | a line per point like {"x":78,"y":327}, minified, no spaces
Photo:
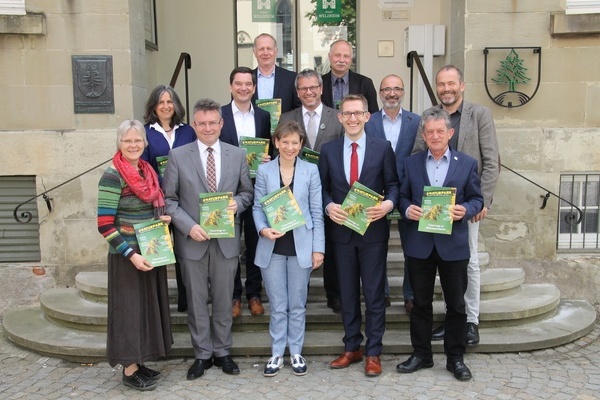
{"x":144,"y":186}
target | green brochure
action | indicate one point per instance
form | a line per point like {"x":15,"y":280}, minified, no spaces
{"x":273,"y":106}
{"x":216,"y":220}
{"x":282,"y":210}
{"x":436,"y":204}
{"x":358,"y":199}
{"x":255,"y":148}
{"x":155,"y":242}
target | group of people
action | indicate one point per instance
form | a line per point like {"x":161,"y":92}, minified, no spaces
{"x":337,"y":116}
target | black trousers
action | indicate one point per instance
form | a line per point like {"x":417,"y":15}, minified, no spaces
{"x":253,"y":275}
{"x":453,"y":277}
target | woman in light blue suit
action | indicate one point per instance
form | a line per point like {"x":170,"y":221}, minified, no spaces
{"x":287,"y":259}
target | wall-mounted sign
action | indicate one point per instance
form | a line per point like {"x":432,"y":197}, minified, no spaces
{"x":329,"y":11}
{"x":93,"y":90}
{"x":509,"y":78}
{"x":264,"y":10}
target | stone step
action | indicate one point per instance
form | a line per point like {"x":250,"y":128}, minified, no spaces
{"x":532,"y":302}
{"x":30,"y":328}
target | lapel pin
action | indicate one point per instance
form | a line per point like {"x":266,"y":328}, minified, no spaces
{"x":323,"y":126}
{"x":455,"y":158}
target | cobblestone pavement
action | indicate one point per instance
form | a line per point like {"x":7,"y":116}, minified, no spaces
{"x":571,"y":371}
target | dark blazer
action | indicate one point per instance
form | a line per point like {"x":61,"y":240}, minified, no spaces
{"x":358,"y":84}
{"x":378,"y":173}
{"x":283,"y":89}
{"x":330,"y":127}
{"x":262,"y":123}
{"x":462,"y":174}
{"x":406,"y":140}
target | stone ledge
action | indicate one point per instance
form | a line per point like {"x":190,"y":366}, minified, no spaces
{"x":30,"y":24}
{"x":562,"y":24}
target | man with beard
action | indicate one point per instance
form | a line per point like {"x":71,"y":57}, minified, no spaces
{"x":399,"y":127}
{"x":475,"y":135}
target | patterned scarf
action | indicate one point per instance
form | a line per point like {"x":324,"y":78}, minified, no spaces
{"x":145,"y":185}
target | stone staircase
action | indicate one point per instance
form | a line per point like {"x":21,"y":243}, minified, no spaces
{"x":70,"y":323}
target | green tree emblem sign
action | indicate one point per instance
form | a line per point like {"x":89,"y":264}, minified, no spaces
{"x":512,"y":72}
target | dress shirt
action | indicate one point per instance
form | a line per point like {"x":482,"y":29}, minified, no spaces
{"x":392,"y":128}
{"x":437,"y":169}
{"x":244,"y":122}
{"x":216,"y":154}
{"x":305,"y":117}
{"x":265,"y":84}
{"x":360,"y":151}
{"x":170,"y":140}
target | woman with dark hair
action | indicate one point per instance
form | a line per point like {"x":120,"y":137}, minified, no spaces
{"x":139,"y":325}
{"x":165,"y":130}
{"x":287,"y":259}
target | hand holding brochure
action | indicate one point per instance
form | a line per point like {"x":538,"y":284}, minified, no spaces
{"x":216,"y":220}
{"x":282,"y":210}
{"x":436,"y":204}
{"x":255,"y":148}
{"x":358,"y":199}
{"x":155,"y":242}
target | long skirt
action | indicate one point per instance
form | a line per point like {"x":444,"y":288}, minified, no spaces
{"x":139,"y":320}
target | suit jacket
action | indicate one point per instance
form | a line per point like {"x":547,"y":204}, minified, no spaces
{"x":185,"y":179}
{"x":262,"y":124}
{"x":308,"y":238}
{"x":477,"y":138}
{"x":283,"y":89}
{"x":358,"y":84}
{"x":378,"y":173}
{"x":406,"y":140}
{"x":462,"y":174}
{"x":329,"y":127}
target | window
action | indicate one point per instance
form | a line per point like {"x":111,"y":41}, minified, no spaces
{"x":12,"y":7}
{"x":583,"y":190}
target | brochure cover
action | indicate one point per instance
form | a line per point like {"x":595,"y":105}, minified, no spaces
{"x":255,"y":148}
{"x":273,"y":106}
{"x":282,"y":210}
{"x":155,"y":242}
{"x":216,"y":220}
{"x":162,"y":164}
{"x":309,"y":155}
{"x":358,"y":199}
{"x":436,"y":209}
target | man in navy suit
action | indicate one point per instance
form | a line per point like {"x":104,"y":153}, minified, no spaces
{"x":340,"y":81}
{"x":399,"y":127}
{"x":241,"y":118}
{"x":359,"y":259}
{"x":272,"y":82}
{"x":427,"y":252}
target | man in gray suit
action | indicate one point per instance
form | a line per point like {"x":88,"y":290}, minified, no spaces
{"x":475,"y":135}
{"x":208,"y":265}
{"x":321,"y":125}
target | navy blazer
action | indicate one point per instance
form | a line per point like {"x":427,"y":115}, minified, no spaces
{"x":462,"y":175}
{"x":357,"y":84}
{"x":262,"y":124}
{"x":406,"y":140}
{"x":283,"y":89}
{"x":378,"y":173}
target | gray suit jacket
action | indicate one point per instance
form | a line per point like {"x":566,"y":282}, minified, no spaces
{"x":185,"y":179}
{"x":330,"y":127}
{"x":477,"y":138}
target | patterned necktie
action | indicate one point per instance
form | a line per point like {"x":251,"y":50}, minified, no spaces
{"x":338,"y":92}
{"x":311,"y":128}
{"x":211,"y":170}
{"x":354,"y":164}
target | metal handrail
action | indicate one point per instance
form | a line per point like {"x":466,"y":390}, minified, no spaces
{"x":183,"y":57}
{"x":412,"y":58}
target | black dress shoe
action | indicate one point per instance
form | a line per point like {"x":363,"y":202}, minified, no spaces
{"x":198,"y":367}
{"x":335,"y":305}
{"x":438,"y":333}
{"x":472,"y":334}
{"x":227,"y":364}
{"x":459,"y":369}
{"x":413,"y":364}
{"x":139,"y":381}
{"x":148,"y":372}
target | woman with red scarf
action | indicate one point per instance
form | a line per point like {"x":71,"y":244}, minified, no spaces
{"x":139,"y":327}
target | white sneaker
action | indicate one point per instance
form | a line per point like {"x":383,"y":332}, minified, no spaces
{"x":298,"y":364}
{"x":273,"y":366}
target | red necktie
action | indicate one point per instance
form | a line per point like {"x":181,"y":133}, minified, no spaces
{"x":354,"y":164}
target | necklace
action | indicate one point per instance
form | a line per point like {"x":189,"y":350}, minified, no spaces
{"x":286,"y":177}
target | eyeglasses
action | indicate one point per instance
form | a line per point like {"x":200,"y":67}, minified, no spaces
{"x":348,"y":114}
{"x":130,"y":142}
{"x":209,"y":124}
{"x":307,"y":88}
{"x":388,"y":90}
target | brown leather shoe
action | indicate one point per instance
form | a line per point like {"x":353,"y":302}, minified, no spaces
{"x":237,"y":308}
{"x":347,"y":358}
{"x":255,"y":306}
{"x":373,"y":366}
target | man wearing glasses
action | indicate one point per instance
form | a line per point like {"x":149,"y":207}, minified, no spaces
{"x":399,"y":127}
{"x":360,"y":259}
